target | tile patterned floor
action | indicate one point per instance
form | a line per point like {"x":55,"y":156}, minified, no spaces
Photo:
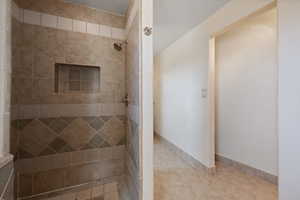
{"x":108,"y":191}
{"x":176,"y":180}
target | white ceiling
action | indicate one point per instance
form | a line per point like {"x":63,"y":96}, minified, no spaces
{"x":115,"y":6}
{"x":173,"y":18}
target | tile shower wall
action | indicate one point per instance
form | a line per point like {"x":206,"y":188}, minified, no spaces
{"x":65,"y":138}
{"x":133,"y":136}
{"x":74,"y":11}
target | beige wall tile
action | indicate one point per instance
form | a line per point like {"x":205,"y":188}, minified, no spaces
{"x":48,"y":181}
{"x":105,"y":31}
{"x":78,"y":12}
{"x":118,"y":33}
{"x":111,"y":187}
{"x":97,"y":191}
{"x":32,"y":17}
{"x":78,"y":157}
{"x":111,"y":168}
{"x":92,"y":28}
{"x":26,"y":185}
{"x":49,"y":20}
{"x":44,"y":163}
{"x":111,"y":196}
{"x":84,"y":194}
{"x":78,"y":134}
{"x":92,"y":155}
{"x":82,"y":174}
{"x":69,"y":196}
{"x":34,"y":76}
{"x":65,"y":23}
{"x":38,"y":132}
{"x":79,"y":26}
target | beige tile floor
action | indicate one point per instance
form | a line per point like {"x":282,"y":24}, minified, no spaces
{"x":176,"y":180}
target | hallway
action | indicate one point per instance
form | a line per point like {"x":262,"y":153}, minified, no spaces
{"x":174,"y":179}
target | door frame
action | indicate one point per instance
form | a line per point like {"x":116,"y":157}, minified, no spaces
{"x":146,"y":96}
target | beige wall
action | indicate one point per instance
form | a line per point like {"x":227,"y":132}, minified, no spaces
{"x":289,"y":99}
{"x":183,"y":68}
{"x":246,"y":82}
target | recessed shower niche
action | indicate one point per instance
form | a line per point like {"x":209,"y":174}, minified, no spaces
{"x":70,"y":78}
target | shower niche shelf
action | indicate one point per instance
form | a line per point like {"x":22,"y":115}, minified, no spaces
{"x":70,"y":78}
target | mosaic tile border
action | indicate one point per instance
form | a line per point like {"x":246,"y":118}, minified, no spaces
{"x":248,"y":170}
{"x":67,"y":24}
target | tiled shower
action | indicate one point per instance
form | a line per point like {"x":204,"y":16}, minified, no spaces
{"x":69,"y":127}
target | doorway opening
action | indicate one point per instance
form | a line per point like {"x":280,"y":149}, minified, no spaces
{"x":243,"y":97}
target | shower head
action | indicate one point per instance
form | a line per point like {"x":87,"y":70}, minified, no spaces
{"x":118,"y":46}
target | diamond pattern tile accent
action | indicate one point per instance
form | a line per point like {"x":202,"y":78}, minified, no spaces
{"x":78,"y":134}
{"x":66,"y":148}
{"x":24,"y":154}
{"x":122,"y":118}
{"x":123,"y":141}
{"x":113,"y":131}
{"x":47,"y":152}
{"x":97,"y":124}
{"x":89,"y":119}
{"x":68,"y":119}
{"x":38,"y":132}
{"x":21,"y":124}
{"x":30,"y":146}
{"x":58,"y":144}
{"x":48,"y":121}
{"x":98,"y":142}
{"x":58,"y":125}
{"x":47,"y":136}
{"x":106,"y":118}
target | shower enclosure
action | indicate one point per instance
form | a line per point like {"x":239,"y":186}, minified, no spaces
{"x":75,"y":128}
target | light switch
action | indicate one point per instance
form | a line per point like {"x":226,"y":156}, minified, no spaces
{"x":204,"y":93}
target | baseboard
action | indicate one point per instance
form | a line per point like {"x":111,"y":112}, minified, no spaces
{"x":185,"y":156}
{"x":248,"y":170}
